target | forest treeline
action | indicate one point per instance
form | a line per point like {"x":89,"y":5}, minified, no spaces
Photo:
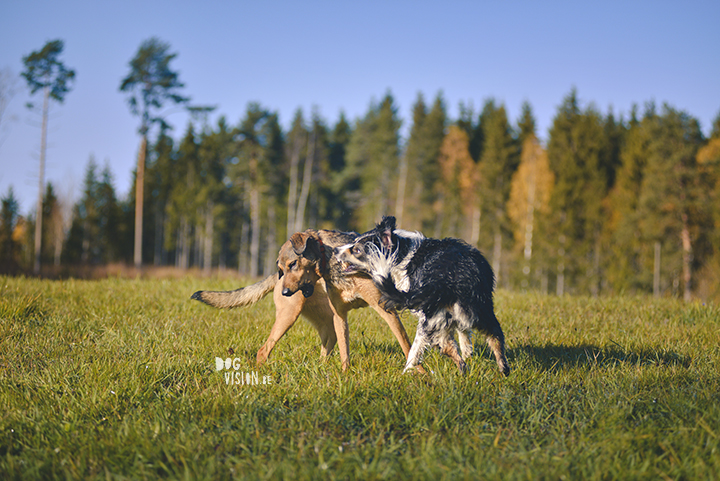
{"x":608,"y":205}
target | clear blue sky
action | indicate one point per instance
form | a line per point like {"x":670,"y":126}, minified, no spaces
{"x":340,"y":55}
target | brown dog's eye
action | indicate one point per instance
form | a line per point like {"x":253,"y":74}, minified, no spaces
{"x":292,"y":265}
{"x":280,"y":273}
{"x":357,"y":250}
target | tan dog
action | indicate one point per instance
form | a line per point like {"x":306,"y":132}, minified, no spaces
{"x":326,"y":293}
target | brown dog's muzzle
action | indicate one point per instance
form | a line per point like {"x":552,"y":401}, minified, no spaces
{"x":306,"y":289}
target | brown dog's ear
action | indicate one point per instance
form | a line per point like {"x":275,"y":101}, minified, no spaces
{"x":305,"y":245}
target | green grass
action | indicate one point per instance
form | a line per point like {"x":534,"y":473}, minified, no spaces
{"x":116,"y":379}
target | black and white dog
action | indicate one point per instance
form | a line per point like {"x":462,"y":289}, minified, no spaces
{"x":446,"y":283}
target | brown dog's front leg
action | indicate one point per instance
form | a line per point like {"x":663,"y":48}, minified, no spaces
{"x":341,"y":326}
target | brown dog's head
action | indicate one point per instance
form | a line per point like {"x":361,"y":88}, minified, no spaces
{"x":298,"y":264}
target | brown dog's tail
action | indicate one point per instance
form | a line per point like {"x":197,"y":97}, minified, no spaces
{"x":239,"y":297}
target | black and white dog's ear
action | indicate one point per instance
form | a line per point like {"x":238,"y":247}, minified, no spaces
{"x":387,"y":223}
{"x":385,"y":229}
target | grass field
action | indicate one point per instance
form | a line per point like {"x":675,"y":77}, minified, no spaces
{"x":116,"y":379}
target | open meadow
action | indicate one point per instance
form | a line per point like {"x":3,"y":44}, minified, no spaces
{"x":117,"y":379}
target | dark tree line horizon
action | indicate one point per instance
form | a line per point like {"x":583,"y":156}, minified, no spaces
{"x":600,"y":209}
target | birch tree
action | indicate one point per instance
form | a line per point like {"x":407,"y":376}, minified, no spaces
{"x":530,"y":190}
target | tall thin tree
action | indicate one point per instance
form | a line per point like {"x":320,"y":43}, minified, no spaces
{"x":151,"y":83}
{"x":44,"y":71}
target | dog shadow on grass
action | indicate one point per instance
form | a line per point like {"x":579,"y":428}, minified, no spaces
{"x":551,"y":356}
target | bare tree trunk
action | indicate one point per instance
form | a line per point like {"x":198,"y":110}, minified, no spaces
{"x":292,"y":191}
{"x":530,"y":215}
{"x":497,"y":246}
{"x":58,"y":234}
{"x":595,"y":269}
{"x":475,"y":229}
{"x":242,"y":254}
{"x":254,"y":230}
{"x":439,"y":216}
{"x":184,"y":243}
{"x":307,"y":179}
{"x":43,"y":149}
{"x":157,"y":251}
{"x":686,"y":259}
{"x":560,"y":287}
{"x":209,"y":232}
{"x":402,"y":181}
{"x":139,"y":190}
{"x":198,"y":245}
{"x":656,"y":271}
{"x":271,"y":240}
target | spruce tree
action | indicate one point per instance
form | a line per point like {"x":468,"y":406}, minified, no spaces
{"x":372,"y":162}
{"x":574,"y":151}
{"x":338,"y":210}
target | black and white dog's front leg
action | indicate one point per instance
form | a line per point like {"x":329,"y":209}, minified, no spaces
{"x":420,"y":344}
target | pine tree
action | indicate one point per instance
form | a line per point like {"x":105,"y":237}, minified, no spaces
{"x":457,"y":187}
{"x":575,"y":151}
{"x":108,"y":218}
{"x":9,"y":219}
{"x":297,"y":146}
{"x":182,"y":208}
{"x":44,"y":70}
{"x":409,"y":158}
{"x":161,"y":175}
{"x":625,"y":273}
{"x":422,"y":158}
{"x":498,"y":162}
{"x":338,"y":210}
{"x":53,"y":232}
{"x":708,"y":159}
{"x":526,"y":124}
{"x":259,"y":155}
{"x":151,"y":83}
{"x":671,"y":202}
{"x":83,"y":244}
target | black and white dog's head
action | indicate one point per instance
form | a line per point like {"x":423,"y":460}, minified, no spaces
{"x":377,"y":251}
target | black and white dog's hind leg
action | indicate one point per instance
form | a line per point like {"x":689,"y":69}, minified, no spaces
{"x":465,"y":341}
{"x":496,"y":340}
{"x":442,"y":338}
